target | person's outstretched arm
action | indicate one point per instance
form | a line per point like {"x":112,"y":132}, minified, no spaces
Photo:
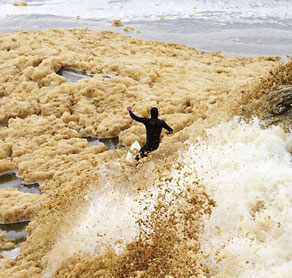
{"x":136,"y":118}
{"x":168,"y":128}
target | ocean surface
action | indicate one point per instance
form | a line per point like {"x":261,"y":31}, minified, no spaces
{"x":244,"y":28}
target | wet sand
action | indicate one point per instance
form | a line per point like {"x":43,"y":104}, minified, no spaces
{"x":45,"y":118}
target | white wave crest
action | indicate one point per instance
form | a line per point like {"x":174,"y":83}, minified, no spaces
{"x":248,"y":171}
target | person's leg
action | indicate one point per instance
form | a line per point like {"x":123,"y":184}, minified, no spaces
{"x":143,"y":151}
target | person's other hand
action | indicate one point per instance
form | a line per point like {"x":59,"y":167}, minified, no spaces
{"x":129,"y":108}
{"x":167,"y":132}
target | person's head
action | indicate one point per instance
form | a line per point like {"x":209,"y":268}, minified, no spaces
{"x":154,"y":112}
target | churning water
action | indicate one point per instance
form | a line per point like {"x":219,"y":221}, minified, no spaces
{"x":246,"y":170}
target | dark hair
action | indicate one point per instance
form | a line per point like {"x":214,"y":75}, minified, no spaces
{"x":154,"y":112}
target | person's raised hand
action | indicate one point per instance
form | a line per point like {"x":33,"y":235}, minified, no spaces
{"x":129,"y":108}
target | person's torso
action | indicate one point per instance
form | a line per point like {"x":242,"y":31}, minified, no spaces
{"x":153,"y":130}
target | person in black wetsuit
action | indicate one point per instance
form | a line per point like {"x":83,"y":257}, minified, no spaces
{"x":153,"y":130}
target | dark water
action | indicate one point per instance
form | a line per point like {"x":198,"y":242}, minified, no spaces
{"x":12,"y":180}
{"x":15,"y":232}
{"x":110,"y":142}
{"x":74,"y":75}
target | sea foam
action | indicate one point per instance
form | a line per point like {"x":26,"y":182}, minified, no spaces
{"x":247,"y":170}
{"x":109,"y":218}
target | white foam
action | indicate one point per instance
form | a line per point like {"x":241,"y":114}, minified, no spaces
{"x":243,"y":165}
{"x":110,"y":217}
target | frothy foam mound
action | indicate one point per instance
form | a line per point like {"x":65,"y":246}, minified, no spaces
{"x":248,"y":172}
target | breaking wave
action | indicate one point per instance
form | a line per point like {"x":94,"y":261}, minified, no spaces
{"x":223,"y":211}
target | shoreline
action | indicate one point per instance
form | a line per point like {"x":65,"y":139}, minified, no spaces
{"x":235,"y":40}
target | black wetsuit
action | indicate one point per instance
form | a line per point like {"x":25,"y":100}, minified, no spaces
{"x":153,"y":129}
